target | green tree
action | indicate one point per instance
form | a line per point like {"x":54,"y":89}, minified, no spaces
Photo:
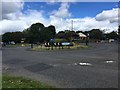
{"x":6,"y":37}
{"x":34,"y":33}
{"x":39,"y":33}
{"x":96,"y":34}
{"x":60,"y":34}
{"x":12,"y":36}
{"x":119,"y":30}
{"x":112,"y":35}
{"x":17,"y":37}
{"x":67,"y":34}
{"x":119,"y":34}
{"x":49,"y":33}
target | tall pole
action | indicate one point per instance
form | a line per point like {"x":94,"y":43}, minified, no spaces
{"x":72,"y":25}
{"x":71,"y":30}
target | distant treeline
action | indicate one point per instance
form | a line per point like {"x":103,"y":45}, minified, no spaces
{"x":38,"y":33}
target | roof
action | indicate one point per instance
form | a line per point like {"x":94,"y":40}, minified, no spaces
{"x":82,"y":35}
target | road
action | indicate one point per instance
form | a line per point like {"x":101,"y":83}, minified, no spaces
{"x":66,"y":68}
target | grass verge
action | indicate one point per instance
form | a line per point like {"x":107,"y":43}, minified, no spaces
{"x":75,"y":47}
{"x":20,"y":82}
{"x":18,"y":45}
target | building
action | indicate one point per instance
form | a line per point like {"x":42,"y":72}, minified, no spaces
{"x":82,"y":36}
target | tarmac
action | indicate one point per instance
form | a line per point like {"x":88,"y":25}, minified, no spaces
{"x":95,"y":67}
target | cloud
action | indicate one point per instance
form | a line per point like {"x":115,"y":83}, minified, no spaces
{"x":33,"y":16}
{"x":51,"y":2}
{"x":9,"y":8}
{"x":11,"y":26}
{"x":15,"y":20}
{"x":58,"y":17}
{"x":54,"y":1}
{"x":110,"y":15}
{"x":22,"y":22}
{"x":84,"y":24}
{"x":89,"y":23}
{"x":62,"y":12}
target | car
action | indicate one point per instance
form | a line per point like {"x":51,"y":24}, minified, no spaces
{"x":111,"y":40}
{"x":12,"y":42}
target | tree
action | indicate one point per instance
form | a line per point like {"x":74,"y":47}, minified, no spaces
{"x":60,"y":34}
{"x":39,"y":33}
{"x":96,"y":34}
{"x":34,"y":33}
{"x":50,"y":32}
{"x":119,"y":34}
{"x":67,"y":34}
{"x":17,"y":37}
{"x":119,"y":29}
{"x":12,"y":36}
{"x":112,"y":35}
{"x":6,"y":37}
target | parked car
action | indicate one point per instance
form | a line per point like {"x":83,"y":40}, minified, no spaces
{"x":111,"y":40}
{"x":12,"y":42}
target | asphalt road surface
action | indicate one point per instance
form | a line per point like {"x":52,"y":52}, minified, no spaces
{"x":96,"y":67}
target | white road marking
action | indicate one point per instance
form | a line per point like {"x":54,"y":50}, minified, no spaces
{"x":75,"y":64}
{"x":85,"y":64}
{"x":109,"y":61}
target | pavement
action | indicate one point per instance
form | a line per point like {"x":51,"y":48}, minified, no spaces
{"x":95,"y":67}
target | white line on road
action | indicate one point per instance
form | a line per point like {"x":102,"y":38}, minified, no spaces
{"x":109,"y":61}
{"x":85,"y":64}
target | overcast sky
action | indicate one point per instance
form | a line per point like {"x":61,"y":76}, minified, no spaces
{"x":17,"y":16}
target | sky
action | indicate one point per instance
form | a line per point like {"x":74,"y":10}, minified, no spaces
{"x":17,"y":16}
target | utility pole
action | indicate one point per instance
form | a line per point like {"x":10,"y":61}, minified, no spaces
{"x":72,"y":25}
{"x":71,"y":30}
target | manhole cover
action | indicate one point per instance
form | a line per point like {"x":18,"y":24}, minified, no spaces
{"x":38,"y":67}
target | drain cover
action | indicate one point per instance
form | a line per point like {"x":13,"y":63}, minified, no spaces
{"x":38,"y":67}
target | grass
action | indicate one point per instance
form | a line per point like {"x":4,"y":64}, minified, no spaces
{"x":18,"y":45}
{"x":43,"y":48}
{"x":20,"y":82}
